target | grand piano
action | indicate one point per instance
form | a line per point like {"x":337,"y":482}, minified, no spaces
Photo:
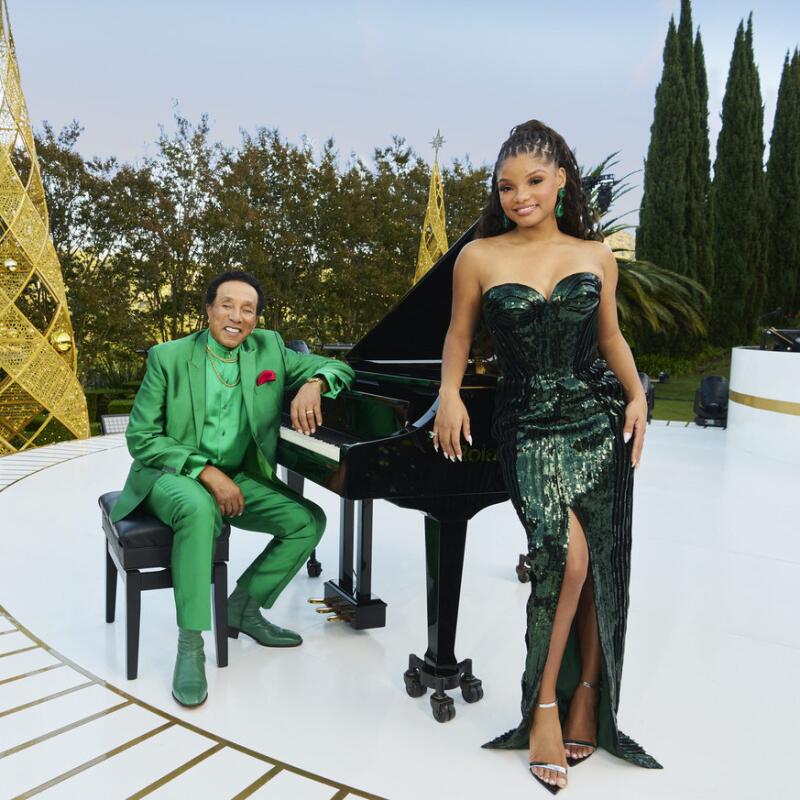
{"x":375,"y":444}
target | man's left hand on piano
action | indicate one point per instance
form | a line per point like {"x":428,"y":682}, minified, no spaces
{"x":306,"y":408}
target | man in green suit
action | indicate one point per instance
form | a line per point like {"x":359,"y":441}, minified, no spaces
{"x":203,"y":433}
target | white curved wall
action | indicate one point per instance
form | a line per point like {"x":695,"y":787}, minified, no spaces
{"x":764,"y":408}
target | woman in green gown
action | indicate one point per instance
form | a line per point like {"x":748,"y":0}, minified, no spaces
{"x":569,"y":422}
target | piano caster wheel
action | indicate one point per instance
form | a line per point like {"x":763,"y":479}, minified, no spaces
{"x":314,"y":569}
{"x":471,"y":688}
{"x":523,"y":569}
{"x":414,"y":687}
{"x":443,"y":707}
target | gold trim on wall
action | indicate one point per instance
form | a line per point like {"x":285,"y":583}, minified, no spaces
{"x":765,"y":403}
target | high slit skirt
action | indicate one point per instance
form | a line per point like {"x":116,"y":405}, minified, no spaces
{"x":556,"y":456}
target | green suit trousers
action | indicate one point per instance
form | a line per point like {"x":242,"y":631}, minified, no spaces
{"x":296,"y":525}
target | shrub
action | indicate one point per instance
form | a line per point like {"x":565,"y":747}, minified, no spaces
{"x":120,"y":406}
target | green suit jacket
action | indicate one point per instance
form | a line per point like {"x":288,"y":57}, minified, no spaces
{"x":169,"y":411}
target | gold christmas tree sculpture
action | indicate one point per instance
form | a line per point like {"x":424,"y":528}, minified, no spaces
{"x":433,"y":243}
{"x":39,"y":389}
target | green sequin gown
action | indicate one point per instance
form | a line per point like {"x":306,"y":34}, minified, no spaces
{"x":558,"y":424}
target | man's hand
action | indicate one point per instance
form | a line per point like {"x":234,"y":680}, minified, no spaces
{"x":228,"y":495}
{"x":306,"y":408}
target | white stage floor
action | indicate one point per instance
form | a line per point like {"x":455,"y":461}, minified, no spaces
{"x":712,"y":660}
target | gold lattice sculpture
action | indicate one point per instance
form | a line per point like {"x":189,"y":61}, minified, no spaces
{"x":433,"y":242}
{"x":39,"y":390}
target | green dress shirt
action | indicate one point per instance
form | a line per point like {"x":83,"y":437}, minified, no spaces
{"x":226,"y":429}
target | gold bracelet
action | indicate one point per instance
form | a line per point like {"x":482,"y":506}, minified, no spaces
{"x":315,"y":379}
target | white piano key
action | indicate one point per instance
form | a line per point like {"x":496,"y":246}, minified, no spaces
{"x":330,"y":451}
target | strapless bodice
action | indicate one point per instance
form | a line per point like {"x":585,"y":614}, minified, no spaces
{"x":535,"y":335}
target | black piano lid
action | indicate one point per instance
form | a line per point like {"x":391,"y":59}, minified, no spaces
{"x":415,"y":328}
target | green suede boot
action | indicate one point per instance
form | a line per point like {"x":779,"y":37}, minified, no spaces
{"x":189,"y":687}
{"x":244,"y":616}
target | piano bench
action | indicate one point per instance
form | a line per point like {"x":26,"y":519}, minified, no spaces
{"x":142,"y":542}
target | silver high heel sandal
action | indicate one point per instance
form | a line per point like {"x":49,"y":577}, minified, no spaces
{"x":578,"y":742}
{"x":552,"y":788}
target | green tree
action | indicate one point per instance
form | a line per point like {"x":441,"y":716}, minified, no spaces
{"x":465,"y":190}
{"x":82,"y":200}
{"x":738,"y":200}
{"x":694,"y":200}
{"x":263,"y":220}
{"x":164,"y":216}
{"x":662,"y":216}
{"x":652,"y":301}
{"x":696,"y":231}
{"x":703,"y":255}
{"x":783,"y":184}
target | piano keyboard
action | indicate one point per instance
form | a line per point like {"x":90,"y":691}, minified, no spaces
{"x":312,"y":443}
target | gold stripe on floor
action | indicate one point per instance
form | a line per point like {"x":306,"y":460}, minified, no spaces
{"x":91,"y":763}
{"x":63,"y":729}
{"x":41,"y":700}
{"x":273,"y":767}
{"x":165,"y":779}
{"x":257,"y":784}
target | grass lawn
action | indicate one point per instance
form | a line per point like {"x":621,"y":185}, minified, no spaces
{"x":675,"y":399}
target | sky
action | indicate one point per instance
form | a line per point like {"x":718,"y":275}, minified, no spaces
{"x":362,"y":72}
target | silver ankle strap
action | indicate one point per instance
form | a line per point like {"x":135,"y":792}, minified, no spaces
{"x":547,"y":705}
{"x":589,"y":685}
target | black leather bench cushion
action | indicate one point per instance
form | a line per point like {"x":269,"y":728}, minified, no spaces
{"x":144,"y":534}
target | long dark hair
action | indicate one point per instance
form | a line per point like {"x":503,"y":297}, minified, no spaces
{"x":537,"y":139}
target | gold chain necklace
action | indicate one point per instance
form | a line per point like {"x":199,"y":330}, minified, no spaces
{"x":220,"y":358}
{"x":221,"y":379}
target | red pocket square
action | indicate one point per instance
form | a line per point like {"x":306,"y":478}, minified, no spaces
{"x":267,"y":376}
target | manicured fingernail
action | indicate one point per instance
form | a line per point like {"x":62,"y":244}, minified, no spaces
{"x":469,"y":439}
{"x":627,"y":436}
{"x":436,"y":447}
{"x":459,"y":457}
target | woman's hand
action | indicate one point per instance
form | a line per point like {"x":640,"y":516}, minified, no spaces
{"x":636,"y":425}
{"x":452,"y":420}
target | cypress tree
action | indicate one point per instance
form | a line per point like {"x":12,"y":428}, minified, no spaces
{"x":783,"y":185}
{"x":796,"y":90}
{"x":659,"y":237}
{"x":704,"y":262}
{"x":693,"y":203}
{"x":738,"y":198}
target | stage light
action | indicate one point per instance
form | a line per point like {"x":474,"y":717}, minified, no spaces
{"x":711,"y":402}
{"x":786,"y":340}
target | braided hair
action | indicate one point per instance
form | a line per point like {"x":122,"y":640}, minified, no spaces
{"x":536,"y":139}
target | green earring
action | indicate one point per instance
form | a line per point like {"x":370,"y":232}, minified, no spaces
{"x":560,"y":207}
{"x":506,"y":222}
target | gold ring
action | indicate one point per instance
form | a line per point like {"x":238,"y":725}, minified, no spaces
{"x":309,"y":412}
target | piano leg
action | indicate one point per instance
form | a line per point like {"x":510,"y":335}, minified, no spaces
{"x":346,"y":511}
{"x":439,"y":670}
{"x":351,"y":598}
{"x":364,"y":552}
{"x":296,"y":482}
